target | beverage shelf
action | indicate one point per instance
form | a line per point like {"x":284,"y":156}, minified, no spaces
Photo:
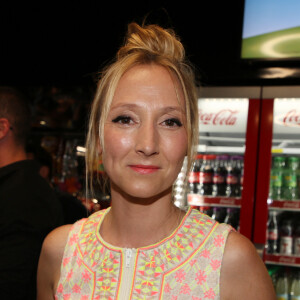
{"x":284,"y":260}
{"x":284,"y":205}
{"x":220,"y":149}
{"x":290,"y":151}
{"x":199,"y":200}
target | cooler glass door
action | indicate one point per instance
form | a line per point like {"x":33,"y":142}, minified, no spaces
{"x":278,"y":195}
{"x":222,"y":181}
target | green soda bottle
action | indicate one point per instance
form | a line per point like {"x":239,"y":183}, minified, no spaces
{"x":290,"y":181}
{"x":276,"y":178}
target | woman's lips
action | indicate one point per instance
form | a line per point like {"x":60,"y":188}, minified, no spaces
{"x":142,"y":169}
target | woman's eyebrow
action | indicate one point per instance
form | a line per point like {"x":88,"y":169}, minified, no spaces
{"x":173,"y":108}
{"x":125,"y":105}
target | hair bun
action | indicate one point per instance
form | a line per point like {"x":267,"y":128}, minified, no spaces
{"x":152,"y":40}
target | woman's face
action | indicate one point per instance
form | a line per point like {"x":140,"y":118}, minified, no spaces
{"x":144,"y":135}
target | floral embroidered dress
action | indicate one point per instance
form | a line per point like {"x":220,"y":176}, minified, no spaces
{"x":185,"y":265}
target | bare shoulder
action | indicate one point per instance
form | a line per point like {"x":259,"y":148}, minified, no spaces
{"x":55,"y":241}
{"x":243,"y":273}
{"x":50,"y":261}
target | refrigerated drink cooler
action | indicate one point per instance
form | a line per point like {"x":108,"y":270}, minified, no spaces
{"x":248,"y":161}
{"x":278,"y":176}
{"x":222,"y":180}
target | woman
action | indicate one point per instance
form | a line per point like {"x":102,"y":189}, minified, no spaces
{"x":143,"y":123}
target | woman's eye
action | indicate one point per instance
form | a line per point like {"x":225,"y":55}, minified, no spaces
{"x":172,"y":122}
{"x":122,"y":120}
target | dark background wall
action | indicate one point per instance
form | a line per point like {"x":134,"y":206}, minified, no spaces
{"x":67,"y":43}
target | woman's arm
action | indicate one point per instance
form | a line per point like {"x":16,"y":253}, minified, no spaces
{"x":50,"y":261}
{"x":243,"y":273}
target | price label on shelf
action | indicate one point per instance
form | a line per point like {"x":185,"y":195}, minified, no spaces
{"x":285,"y":205}
{"x":277,"y":150}
{"x":285,"y":260}
{"x":199,"y":200}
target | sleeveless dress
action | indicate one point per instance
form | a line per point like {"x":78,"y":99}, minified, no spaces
{"x":185,"y":265}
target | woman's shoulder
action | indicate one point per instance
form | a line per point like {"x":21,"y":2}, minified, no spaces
{"x":56,"y":240}
{"x":243,"y":271}
{"x":54,"y":246}
{"x":50,"y":261}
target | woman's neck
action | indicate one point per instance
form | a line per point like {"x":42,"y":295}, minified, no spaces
{"x":134,"y":225}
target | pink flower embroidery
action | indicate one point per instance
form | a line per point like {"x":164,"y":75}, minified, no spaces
{"x":196,"y":298}
{"x":200,"y":277}
{"x":76,"y":288}
{"x":84,"y":297}
{"x":67,"y":296}
{"x":209,"y":294}
{"x":60,"y":289}
{"x":86,"y":276}
{"x":79,"y":261}
{"x":180,"y":276}
{"x":167,"y":288}
{"x":219,"y":240}
{"x":75,"y":253}
{"x":73,"y":239}
{"x":185,"y":289}
{"x":192,"y":262}
{"x":174,"y":298}
{"x":205,"y":253}
{"x":215,"y":264}
{"x":69,"y":275}
{"x":66,"y":261}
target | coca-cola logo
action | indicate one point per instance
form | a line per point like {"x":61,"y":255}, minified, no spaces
{"x":287,"y":260}
{"x":224,"y":117}
{"x":292,"y":118}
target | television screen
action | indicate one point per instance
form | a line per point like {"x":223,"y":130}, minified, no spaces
{"x":271,"y":29}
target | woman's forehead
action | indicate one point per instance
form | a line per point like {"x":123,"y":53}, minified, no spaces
{"x":149,"y":83}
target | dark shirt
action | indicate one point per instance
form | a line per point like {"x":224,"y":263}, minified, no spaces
{"x":73,"y":209}
{"x":29,"y":210}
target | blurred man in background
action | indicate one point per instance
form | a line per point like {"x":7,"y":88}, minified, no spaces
{"x":29,"y":209}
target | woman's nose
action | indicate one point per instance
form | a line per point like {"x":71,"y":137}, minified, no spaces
{"x":147,"y":139}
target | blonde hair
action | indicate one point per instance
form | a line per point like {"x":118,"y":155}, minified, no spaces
{"x":149,"y":44}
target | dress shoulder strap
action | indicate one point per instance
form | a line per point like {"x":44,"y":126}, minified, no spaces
{"x":72,"y":240}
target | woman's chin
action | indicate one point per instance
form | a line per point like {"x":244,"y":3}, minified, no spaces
{"x":142,"y":195}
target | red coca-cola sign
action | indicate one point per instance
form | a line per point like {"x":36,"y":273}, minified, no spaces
{"x":224,"y":117}
{"x":292,"y":118}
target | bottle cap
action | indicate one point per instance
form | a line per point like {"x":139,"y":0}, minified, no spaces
{"x":222,"y":157}
{"x":279,"y":158}
{"x":208,"y":157}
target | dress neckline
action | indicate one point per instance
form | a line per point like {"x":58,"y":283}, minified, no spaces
{"x":119,"y":249}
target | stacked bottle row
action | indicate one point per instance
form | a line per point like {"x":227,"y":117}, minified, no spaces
{"x":217,"y":176}
{"x":283,"y":233}
{"x":68,"y":171}
{"x":285,"y":178}
{"x":66,"y":166}
{"x":228,"y":215}
{"x":286,"y":282}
